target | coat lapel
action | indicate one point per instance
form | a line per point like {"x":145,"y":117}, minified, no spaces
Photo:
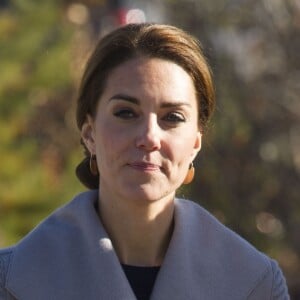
{"x":205,"y":260}
{"x":69,"y":256}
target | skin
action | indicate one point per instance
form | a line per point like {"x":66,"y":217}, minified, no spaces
{"x":145,"y":134}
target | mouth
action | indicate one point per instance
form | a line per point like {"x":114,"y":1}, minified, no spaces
{"x":145,"y":167}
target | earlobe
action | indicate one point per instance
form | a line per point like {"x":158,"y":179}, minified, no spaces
{"x":87,"y":134}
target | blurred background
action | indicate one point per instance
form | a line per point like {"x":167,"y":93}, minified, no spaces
{"x":248,"y":172}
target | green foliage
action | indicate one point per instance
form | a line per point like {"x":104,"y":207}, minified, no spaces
{"x":36,"y":176}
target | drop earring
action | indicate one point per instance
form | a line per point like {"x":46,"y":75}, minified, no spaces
{"x":93,"y":165}
{"x":190,"y":174}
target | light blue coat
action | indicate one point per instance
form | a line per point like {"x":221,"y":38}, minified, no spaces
{"x":69,"y":257}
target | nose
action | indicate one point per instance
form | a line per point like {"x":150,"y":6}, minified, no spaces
{"x":149,"y":136}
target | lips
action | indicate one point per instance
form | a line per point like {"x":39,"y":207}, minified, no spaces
{"x":143,"y":166}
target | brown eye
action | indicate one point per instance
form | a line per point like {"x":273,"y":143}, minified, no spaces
{"x":125,"y":114}
{"x":174,"y":117}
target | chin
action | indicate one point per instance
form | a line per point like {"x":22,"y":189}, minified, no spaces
{"x":148,"y":194}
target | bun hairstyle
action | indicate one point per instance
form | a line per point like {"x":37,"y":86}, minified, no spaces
{"x":149,"y":40}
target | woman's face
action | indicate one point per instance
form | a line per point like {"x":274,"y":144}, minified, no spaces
{"x":145,"y":131}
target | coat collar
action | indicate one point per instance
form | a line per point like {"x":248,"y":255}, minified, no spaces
{"x":70,"y":256}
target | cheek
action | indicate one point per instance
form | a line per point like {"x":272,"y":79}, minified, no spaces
{"x":110,"y":141}
{"x":181,"y":148}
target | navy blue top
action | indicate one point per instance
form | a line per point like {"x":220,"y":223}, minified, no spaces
{"x":141,"y":280}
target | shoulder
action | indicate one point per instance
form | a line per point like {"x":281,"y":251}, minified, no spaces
{"x":227,"y":255}
{"x":64,"y":222}
{"x":279,"y":289}
{"x":5,"y":260}
{"x":5,"y":256}
{"x":271,"y":284}
{"x":47,"y":246}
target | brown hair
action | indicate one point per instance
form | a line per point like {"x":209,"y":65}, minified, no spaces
{"x":150,"y":40}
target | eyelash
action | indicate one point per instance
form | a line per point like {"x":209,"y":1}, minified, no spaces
{"x":125,"y":114}
{"x":175,"y":117}
{"x":172,"y":117}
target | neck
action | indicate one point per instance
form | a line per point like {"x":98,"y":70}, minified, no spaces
{"x":140,"y":233}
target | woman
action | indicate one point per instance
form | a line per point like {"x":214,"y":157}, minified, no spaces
{"x":145,"y":100}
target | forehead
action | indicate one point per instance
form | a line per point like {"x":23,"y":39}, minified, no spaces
{"x":150,"y":75}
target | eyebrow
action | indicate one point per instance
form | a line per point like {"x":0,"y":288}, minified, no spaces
{"x":125,"y":98}
{"x":134,"y":100}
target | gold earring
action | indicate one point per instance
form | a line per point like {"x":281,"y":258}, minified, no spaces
{"x":93,"y":165}
{"x":190,"y":174}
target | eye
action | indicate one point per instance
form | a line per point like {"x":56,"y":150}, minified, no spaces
{"x":125,"y":114}
{"x":174,"y":117}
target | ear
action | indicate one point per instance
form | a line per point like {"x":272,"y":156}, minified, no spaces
{"x":197,"y":145}
{"x":88,"y":134}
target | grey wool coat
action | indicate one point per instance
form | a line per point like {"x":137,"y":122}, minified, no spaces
{"x":70,"y":257}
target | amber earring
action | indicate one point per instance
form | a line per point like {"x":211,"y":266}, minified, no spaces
{"x":93,"y":165}
{"x":190,"y":174}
